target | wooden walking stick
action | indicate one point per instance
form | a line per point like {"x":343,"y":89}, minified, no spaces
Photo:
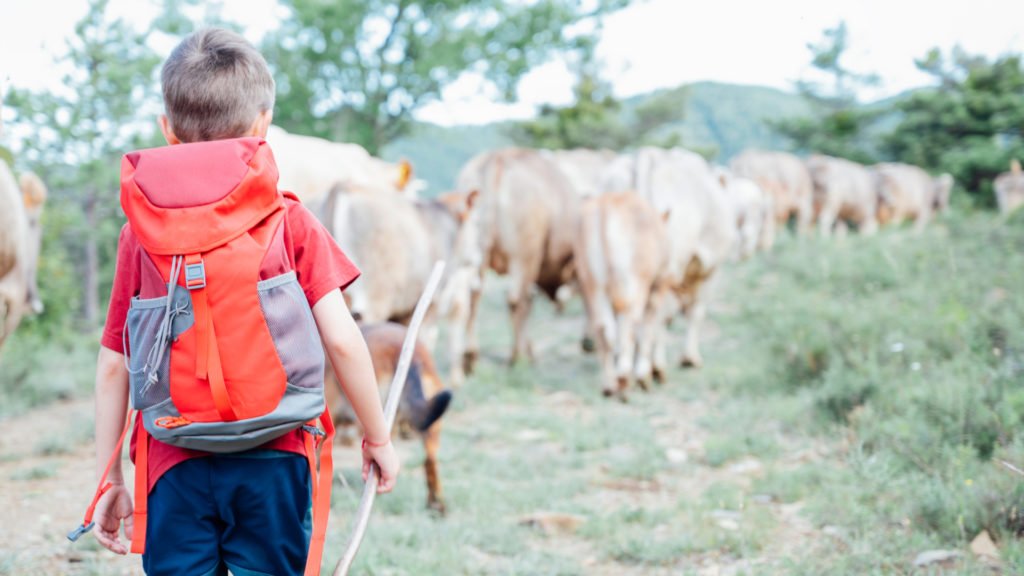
{"x":390,"y":409}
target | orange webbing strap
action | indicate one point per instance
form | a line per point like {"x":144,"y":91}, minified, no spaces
{"x":103,"y":486}
{"x":322,"y":483}
{"x":141,"y":491}
{"x":208,"y":364}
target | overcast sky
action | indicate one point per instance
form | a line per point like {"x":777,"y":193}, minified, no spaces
{"x":653,"y":44}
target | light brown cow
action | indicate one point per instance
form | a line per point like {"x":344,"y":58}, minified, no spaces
{"x":844,"y":192}
{"x":621,"y":254}
{"x":21,"y":206}
{"x":311,"y":166}
{"x":526,"y":218}
{"x":701,"y":232}
{"x":1009,"y":189}
{"x":424,"y":398}
{"x":785,"y":178}
{"x":907,"y":192}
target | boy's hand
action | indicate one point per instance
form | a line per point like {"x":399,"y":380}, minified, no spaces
{"x":113,"y":507}
{"x":387,"y":464}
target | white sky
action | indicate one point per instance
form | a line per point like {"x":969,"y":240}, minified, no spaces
{"x":652,"y":44}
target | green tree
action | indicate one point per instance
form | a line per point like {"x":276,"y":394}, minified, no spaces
{"x":970,"y":124}
{"x":596,"y":119}
{"x":77,"y":133}
{"x":356,"y":70}
{"x":837,"y":123}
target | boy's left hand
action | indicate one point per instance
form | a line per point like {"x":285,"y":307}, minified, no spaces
{"x":387,"y":465}
{"x":114,"y":507}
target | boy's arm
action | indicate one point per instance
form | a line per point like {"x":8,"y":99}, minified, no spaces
{"x":111,"y":411}
{"x":353,"y":367}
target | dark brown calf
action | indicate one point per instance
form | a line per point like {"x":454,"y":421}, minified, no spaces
{"x":424,"y":399}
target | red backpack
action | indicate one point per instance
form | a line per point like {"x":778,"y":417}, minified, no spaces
{"x":221,"y":359}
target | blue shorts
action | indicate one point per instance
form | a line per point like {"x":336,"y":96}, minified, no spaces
{"x":249,"y":513}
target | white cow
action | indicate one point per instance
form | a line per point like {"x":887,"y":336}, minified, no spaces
{"x":1009,"y":188}
{"x":310,"y":167}
{"x":582,"y":167}
{"x":907,"y":192}
{"x":784,"y":177}
{"x":754,"y":211}
{"x":394,"y":241}
{"x":700,"y":227}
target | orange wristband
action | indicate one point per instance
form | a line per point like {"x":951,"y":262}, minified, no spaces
{"x":373,"y":445}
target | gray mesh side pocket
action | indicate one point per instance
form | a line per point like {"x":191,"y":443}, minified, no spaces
{"x":293,"y":330}
{"x":149,"y":371}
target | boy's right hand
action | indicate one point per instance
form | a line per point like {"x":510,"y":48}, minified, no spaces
{"x":114,"y":507}
{"x":387,"y":464}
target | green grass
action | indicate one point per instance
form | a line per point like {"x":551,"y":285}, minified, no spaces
{"x":855,"y":397}
{"x":37,"y":369}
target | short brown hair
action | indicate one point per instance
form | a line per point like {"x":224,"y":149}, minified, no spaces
{"x":215,"y":84}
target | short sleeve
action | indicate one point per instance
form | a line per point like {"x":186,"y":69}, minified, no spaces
{"x":320,"y":264}
{"x":127,"y":283}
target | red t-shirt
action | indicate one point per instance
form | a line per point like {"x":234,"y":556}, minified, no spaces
{"x":319,"y":265}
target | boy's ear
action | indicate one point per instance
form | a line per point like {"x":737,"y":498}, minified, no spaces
{"x":262,"y":124}
{"x":165,"y":127}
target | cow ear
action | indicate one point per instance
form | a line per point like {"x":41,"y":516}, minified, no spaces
{"x":471,"y":199}
{"x":666,"y":214}
{"x":404,"y":173}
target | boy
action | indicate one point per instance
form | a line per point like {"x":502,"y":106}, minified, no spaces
{"x":249,"y":511}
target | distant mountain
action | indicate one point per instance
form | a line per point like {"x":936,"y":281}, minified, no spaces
{"x":722,"y":119}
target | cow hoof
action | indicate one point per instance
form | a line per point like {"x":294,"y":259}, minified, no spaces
{"x":658,"y":375}
{"x":607,"y":392}
{"x":691,"y":363}
{"x":469,"y":361}
{"x":437,"y":507}
{"x":588,"y":345}
{"x":622,"y":397}
{"x":642,"y":383}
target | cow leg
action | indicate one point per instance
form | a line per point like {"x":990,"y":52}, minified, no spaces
{"x":457,"y":320}
{"x":868,"y":227}
{"x":520,"y":311}
{"x":695,"y":313}
{"x":519,"y":303}
{"x":603,"y":328}
{"x":826,"y":220}
{"x":431,"y":445}
{"x":644,"y":369}
{"x":805,"y":214}
{"x":472,"y":350}
{"x":625,"y":350}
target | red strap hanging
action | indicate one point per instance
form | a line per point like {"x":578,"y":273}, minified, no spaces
{"x":322,"y":483}
{"x":141,"y":491}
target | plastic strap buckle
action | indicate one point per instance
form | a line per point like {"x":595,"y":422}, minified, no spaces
{"x":75,"y":534}
{"x":195,"y":275}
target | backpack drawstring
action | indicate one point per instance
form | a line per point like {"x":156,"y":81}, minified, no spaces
{"x":164,"y":334}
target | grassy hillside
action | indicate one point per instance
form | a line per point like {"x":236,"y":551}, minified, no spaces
{"x":724,"y":118}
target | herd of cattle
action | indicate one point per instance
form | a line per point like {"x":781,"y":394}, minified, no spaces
{"x":639,"y":236}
